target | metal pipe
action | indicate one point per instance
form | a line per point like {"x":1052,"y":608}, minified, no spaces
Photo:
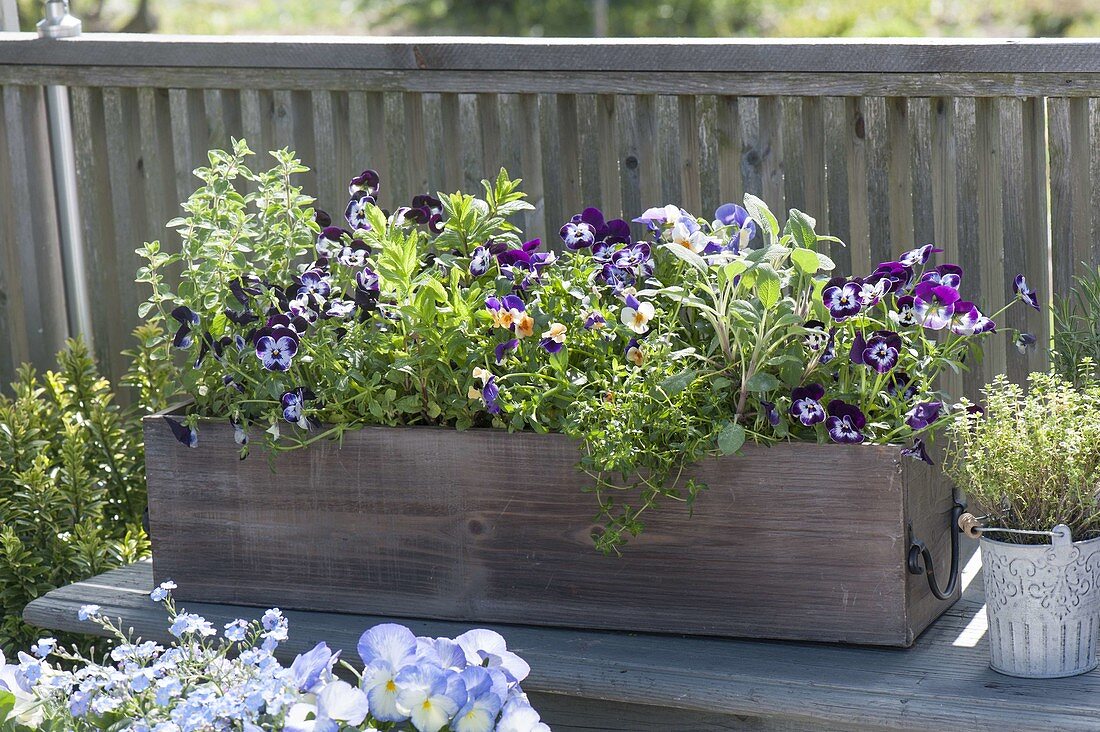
{"x":58,"y":24}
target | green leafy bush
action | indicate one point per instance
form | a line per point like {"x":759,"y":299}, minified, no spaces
{"x":72,"y":479}
{"x":1032,"y":458}
{"x":1077,"y":329}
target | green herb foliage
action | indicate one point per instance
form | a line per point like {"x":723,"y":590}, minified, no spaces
{"x":1032,"y":458}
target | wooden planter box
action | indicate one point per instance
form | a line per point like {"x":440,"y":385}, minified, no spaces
{"x":796,"y":541}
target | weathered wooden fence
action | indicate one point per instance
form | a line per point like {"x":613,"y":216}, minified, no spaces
{"x":989,"y":149}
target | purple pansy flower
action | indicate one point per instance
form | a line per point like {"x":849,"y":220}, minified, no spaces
{"x":934,"y":304}
{"x":829,"y":353}
{"x":313,"y":282}
{"x":1025,"y":341}
{"x":276,"y":350}
{"x":967,"y":320}
{"x":806,"y":404}
{"x":426,"y":209}
{"x":816,"y":336}
{"x":366,"y":280}
{"x":923,"y":414}
{"x":367,"y":181}
{"x":896,"y":277}
{"x":632,"y":257}
{"x":919,"y":255}
{"x":882,"y":350}
{"x":770,"y":412}
{"x":578,"y":235}
{"x":480,"y":259}
{"x":293,"y":402}
{"x":182,"y":432}
{"x":331,"y":240}
{"x":520,"y":255}
{"x":356,"y":211}
{"x":340,"y":308}
{"x":859,"y":345}
{"x":502,"y":349}
{"x":490,"y":393}
{"x":917,"y":452}
{"x":944,"y":274}
{"x":730,"y":214}
{"x":186,"y":317}
{"x":321,"y":218}
{"x":354,"y":254}
{"x":842,"y":298}
{"x":904,"y":314}
{"x":594,"y":320}
{"x":845,"y":422}
{"x":656,"y":217}
{"x":901,"y":385}
{"x":1027,"y":294}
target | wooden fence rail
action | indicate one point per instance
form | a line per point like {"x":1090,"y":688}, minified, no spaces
{"x":888,"y":144}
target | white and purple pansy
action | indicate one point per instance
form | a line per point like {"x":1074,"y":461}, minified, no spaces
{"x":687,"y":234}
{"x":816,"y":336}
{"x":901,"y":385}
{"x":503,"y":349}
{"x":488,"y":648}
{"x":1025,"y":293}
{"x":636,"y":315}
{"x":872,"y":289}
{"x":631,"y":258}
{"x":276,"y":347}
{"x":577,"y":235}
{"x":432,"y":695}
{"x":730,"y":214}
{"x":845,"y":423}
{"x":356,"y":211}
{"x":516,"y":256}
{"x":331,"y":240}
{"x":339,"y":309}
{"x":426,"y":209}
{"x":182,"y":432}
{"x":553,"y":339}
{"x":934,"y":304}
{"x":829,"y":352}
{"x":366,"y":280}
{"x":920,"y":255}
{"x":313,"y":283}
{"x":882,"y":350}
{"x":922,"y":415}
{"x":944,"y":274}
{"x":842,"y":298}
{"x":313,"y":669}
{"x":918,"y":451}
{"x":895,"y":276}
{"x":293,"y":403}
{"x":354,"y":254}
{"x":634,"y":352}
{"x":480,"y":259}
{"x":806,"y":404}
{"x":659,"y":216}
{"x":904,"y":314}
{"x":187,"y":318}
{"x":594,"y":320}
{"x":367,"y":182}
{"x":1025,"y":342}
{"x":967,"y":320}
{"x":302,"y":307}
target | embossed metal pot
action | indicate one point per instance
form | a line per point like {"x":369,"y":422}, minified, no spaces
{"x":1043,"y":603}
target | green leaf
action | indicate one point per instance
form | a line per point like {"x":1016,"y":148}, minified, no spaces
{"x":802,"y":228}
{"x":731,"y":438}
{"x":687,"y":255}
{"x":677,"y":382}
{"x":762,"y":381}
{"x":824,"y":263}
{"x":806,"y":260}
{"x":763,"y":216}
{"x":768,"y":289}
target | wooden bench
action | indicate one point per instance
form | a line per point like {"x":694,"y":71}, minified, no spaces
{"x":585,"y":680}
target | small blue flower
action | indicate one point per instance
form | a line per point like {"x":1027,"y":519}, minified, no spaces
{"x":162,"y":591}
{"x":44,"y":647}
{"x":236,"y":630}
{"x":87,"y":612}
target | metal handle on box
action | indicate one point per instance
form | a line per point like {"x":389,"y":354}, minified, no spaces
{"x":918,"y":550}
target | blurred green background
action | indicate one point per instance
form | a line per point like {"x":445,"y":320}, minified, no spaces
{"x":622,"y":18}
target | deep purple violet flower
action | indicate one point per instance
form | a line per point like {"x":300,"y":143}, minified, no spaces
{"x":356,"y":212}
{"x":1028,"y":295}
{"x":771,"y":412}
{"x":331,"y":240}
{"x":829,"y":353}
{"x":186,"y":317}
{"x":489,"y":394}
{"x":182,"y":432}
{"x":917,"y":452}
{"x":1025,"y":341}
{"x":859,"y":345}
{"x":842,"y":298}
{"x":276,"y":350}
{"x":816,"y":337}
{"x":293,"y":402}
{"x":519,"y":255}
{"x":896,"y":276}
{"x":845,"y":422}
{"x":882,"y":350}
{"x":945,"y":274}
{"x":367,"y":280}
{"x":730,"y":214}
{"x":595,"y":319}
{"x":806,"y":404}
{"x":923,"y":414}
{"x":904,"y":315}
{"x":321,"y":218}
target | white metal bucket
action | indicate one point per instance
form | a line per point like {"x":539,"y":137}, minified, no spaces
{"x":1043,"y":603}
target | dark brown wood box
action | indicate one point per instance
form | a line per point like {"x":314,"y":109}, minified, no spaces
{"x":796,"y":541}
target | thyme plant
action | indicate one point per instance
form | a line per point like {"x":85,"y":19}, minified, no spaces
{"x":1031,"y":458}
